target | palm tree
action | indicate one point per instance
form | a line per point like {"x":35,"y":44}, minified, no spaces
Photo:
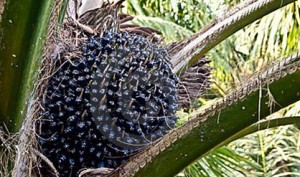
{"x":225,"y":120}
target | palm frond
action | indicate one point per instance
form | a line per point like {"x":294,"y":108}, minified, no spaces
{"x":171,"y":31}
{"x":281,"y":150}
{"x":222,"y":162}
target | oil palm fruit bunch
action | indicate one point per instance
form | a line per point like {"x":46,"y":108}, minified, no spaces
{"x":106,"y":104}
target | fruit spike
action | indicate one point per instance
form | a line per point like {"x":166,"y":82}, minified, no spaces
{"x":107,"y":105}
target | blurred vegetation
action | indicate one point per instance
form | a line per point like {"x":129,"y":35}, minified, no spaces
{"x":272,"y":152}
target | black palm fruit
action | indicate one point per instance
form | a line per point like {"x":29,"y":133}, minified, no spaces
{"x":107,"y":104}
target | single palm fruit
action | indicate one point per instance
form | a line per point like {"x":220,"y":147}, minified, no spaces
{"x":107,"y":104}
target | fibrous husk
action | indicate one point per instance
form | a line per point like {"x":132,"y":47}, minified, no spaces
{"x":7,"y":151}
{"x":194,"y":82}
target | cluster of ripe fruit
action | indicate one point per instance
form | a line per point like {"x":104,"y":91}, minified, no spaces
{"x":108,"y":103}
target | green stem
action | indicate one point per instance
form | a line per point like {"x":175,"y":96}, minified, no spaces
{"x":22,"y":30}
{"x":263,"y":125}
{"x":62,"y":12}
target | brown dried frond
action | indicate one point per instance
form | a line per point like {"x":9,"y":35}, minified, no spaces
{"x":194,"y":82}
{"x":102,"y":18}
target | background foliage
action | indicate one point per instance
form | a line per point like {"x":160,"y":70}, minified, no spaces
{"x":272,"y":152}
